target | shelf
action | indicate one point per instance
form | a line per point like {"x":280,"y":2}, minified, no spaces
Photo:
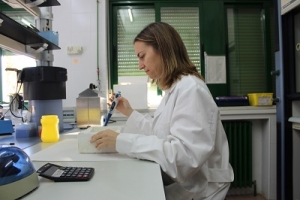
{"x":295,"y":122}
{"x":49,"y":3}
{"x":288,"y":5}
{"x":292,"y":97}
{"x":294,"y":119}
{"x":23,"y":35}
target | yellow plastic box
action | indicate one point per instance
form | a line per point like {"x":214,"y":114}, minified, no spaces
{"x":260,"y":99}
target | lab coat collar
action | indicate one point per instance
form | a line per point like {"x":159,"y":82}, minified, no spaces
{"x":164,"y":101}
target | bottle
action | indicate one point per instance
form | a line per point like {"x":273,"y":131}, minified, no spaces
{"x":50,"y":131}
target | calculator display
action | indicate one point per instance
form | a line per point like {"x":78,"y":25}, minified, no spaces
{"x":53,"y":171}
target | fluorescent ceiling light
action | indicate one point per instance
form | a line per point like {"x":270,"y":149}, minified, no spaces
{"x":130,"y":14}
{"x":22,"y":4}
{"x":25,"y":22}
{"x":33,"y":10}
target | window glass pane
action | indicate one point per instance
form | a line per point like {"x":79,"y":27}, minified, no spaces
{"x":297,"y":51}
{"x":186,"y":21}
{"x":22,"y":17}
{"x":130,"y":23}
{"x":10,"y":64}
{"x":247,"y":68}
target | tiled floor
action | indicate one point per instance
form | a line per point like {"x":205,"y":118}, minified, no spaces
{"x":245,"y":197}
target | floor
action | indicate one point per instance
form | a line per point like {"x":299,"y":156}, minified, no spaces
{"x":245,"y":197}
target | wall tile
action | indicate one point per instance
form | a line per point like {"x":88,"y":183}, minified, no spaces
{"x":80,"y":6}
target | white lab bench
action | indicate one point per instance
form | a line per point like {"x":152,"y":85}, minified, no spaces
{"x":113,"y":180}
{"x":128,"y":179}
{"x":263,"y":155}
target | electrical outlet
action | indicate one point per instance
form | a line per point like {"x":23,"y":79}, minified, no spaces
{"x":74,"y":50}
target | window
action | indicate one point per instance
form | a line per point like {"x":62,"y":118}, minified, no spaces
{"x":10,"y":63}
{"x":246,"y":50}
{"x":241,"y":32}
{"x":297,"y":50}
{"x":131,"y":20}
{"x":22,"y":17}
{"x":186,"y":21}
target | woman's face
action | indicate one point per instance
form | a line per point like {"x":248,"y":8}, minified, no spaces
{"x":149,"y":60}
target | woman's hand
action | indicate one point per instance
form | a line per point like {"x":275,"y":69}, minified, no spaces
{"x":105,"y":138}
{"x":123,"y":105}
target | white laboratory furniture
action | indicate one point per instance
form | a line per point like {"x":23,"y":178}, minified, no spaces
{"x":264,"y":149}
{"x":264,"y":140}
{"x":295,"y":120}
{"x":116,"y":176}
{"x":113,"y":180}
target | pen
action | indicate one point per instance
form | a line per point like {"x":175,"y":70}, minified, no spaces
{"x":112,"y":108}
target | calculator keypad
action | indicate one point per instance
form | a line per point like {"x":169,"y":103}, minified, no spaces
{"x":76,"y":172}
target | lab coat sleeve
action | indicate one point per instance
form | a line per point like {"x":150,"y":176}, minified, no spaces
{"x":141,"y":122}
{"x":190,"y":136}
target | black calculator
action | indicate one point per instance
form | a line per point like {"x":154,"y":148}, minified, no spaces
{"x":59,"y":173}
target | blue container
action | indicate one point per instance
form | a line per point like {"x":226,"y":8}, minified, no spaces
{"x":6,"y":127}
{"x":50,"y":35}
{"x":26,"y":130}
{"x":17,"y":175}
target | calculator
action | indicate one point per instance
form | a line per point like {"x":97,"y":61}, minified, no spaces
{"x":59,"y":173}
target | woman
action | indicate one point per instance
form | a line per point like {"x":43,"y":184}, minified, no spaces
{"x":185,"y":136}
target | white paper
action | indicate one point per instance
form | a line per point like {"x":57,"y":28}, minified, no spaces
{"x":84,"y":137}
{"x":215,"y":69}
{"x":67,"y":150}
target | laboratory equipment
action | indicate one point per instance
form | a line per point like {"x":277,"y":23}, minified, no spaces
{"x":45,"y":87}
{"x":88,"y":108}
{"x":17,"y":174}
{"x":112,"y":108}
{"x":25,"y":130}
{"x":6,"y":127}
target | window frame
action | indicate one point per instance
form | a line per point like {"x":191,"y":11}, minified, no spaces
{"x":209,"y":44}
{"x":114,"y":6}
{"x":267,"y":42}
{"x":4,"y":7}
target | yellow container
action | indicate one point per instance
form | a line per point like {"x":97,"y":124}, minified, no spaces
{"x":260,"y":99}
{"x":50,"y":131}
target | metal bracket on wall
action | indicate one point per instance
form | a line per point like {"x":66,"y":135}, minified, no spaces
{"x":47,"y":57}
{"x":276,"y":72}
{"x":276,"y":100}
{"x":29,"y":48}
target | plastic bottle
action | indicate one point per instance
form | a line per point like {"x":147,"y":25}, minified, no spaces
{"x":50,"y":131}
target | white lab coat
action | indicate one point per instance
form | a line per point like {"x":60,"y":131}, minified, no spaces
{"x":186,"y":138}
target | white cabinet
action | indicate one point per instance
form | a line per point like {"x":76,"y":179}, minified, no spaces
{"x":264,"y":141}
{"x":295,"y":120}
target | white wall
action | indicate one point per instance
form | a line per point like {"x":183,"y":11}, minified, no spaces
{"x":76,"y":23}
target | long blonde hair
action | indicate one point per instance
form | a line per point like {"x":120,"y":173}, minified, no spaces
{"x":168,"y":44}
